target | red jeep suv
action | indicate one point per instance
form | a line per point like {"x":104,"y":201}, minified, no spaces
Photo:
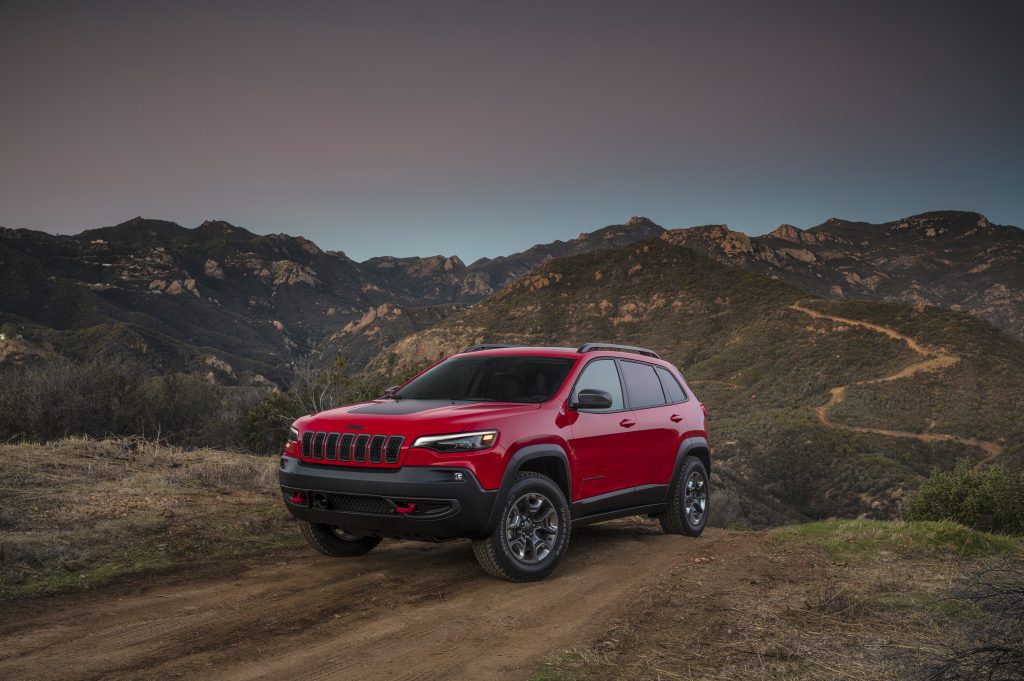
{"x":507,"y":446}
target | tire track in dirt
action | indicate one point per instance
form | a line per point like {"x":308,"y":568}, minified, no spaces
{"x":935,"y":360}
{"x":407,"y":611}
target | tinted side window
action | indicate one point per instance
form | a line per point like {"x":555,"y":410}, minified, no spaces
{"x":601,"y":375}
{"x":642,"y":385}
{"x":673,"y":390}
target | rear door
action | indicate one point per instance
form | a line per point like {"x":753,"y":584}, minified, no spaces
{"x":603,"y":440}
{"x":657,"y":432}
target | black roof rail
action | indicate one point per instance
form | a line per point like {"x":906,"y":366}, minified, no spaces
{"x":489,"y":346}
{"x":590,"y":347}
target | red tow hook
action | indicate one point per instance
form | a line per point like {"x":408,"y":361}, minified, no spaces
{"x":299,"y":498}
{"x":405,"y":508}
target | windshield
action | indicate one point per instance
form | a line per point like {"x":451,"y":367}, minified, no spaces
{"x":490,"y":379}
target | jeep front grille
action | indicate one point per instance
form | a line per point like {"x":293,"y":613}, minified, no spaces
{"x":392,"y":449}
{"x":331,"y":448}
{"x":377,"y":448}
{"x":344,"y":448}
{"x":318,"y":445}
{"x":360,"y":451}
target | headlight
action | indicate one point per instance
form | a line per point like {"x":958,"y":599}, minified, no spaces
{"x":293,"y":434}
{"x":458,"y":442}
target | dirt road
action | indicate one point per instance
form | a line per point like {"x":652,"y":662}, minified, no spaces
{"x":406,"y":611}
{"x":933,"y":360}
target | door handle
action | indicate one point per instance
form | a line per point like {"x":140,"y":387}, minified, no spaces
{"x":675,"y":418}
{"x":627,"y":423}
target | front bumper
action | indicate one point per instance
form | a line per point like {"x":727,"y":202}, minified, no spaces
{"x":412,"y":502}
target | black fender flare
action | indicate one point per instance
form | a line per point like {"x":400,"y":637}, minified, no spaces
{"x":515,"y":463}
{"x":691,"y":446}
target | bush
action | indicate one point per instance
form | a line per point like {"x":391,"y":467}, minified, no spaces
{"x":49,"y":401}
{"x":991,"y":500}
{"x":266,"y":425}
{"x":315,"y":389}
{"x":108,"y":396}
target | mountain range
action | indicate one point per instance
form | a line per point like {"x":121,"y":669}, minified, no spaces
{"x":248,"y":308}
{"x":239,"y":306}
{"x":951,"y":259}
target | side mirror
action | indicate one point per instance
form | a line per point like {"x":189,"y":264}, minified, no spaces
{"x":390,"y":389}
{"x":593,"y":399}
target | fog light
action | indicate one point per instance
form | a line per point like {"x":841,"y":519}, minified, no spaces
{"x":457,"y":477}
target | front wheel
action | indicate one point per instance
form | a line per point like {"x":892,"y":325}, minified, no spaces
{"x":688,"y":505}
{"x":336,"y":542}
{"x":532,"y":534}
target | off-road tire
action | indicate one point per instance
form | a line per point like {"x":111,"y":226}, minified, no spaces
{"x":674,"y":520}
{"x":323,"y":539}
{"x":493,"y":551}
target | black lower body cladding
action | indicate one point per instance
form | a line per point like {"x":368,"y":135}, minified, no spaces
{"x":412,"y":502}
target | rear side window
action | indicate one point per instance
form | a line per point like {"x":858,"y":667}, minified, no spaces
{"x":673,"y":391}
{"x":642,"y":385}
{"x":601,"y":374}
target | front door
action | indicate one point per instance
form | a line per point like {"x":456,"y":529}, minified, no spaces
{"x":603,"y":438}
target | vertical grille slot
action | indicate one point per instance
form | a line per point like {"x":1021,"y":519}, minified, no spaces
{"x":359,"y":455}
{"x":318,"y":445}
{"x":377,"y":448}
{"x":345,"y":448}
{"x":331,"y":449}
{"x":349,"y":447}
{"x":392,"y":449}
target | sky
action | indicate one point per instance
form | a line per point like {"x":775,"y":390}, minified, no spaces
{"x":479,"y":128}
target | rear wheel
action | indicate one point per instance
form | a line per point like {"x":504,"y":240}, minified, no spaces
{"x":688,"y":505}
{"x":532,"y":534}
{"x":336,"y":542}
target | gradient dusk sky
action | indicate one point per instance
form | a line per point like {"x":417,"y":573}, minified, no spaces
{"x":480,"y":128}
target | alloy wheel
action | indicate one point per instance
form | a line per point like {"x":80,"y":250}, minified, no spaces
{"x":695,"y":498}
{"x":531,"y":528}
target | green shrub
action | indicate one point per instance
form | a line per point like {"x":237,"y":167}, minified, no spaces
{"x":991,"y":500}
{"x":266,"y":425}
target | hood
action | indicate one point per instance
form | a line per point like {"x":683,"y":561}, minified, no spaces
{"x":413,"y":418}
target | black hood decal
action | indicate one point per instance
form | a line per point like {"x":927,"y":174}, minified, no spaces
{"x":401,"y":407}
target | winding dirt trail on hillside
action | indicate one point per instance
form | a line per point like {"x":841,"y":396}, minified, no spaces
{"x":933,"y":360}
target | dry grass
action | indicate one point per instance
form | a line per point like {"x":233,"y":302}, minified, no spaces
{"x":789,"y":608}
{"x":78,"y":511}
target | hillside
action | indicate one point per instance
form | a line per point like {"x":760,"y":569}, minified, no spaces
{"x":764,"y":367}
{"x":953,"y":259}
{"x":219,"y":299}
